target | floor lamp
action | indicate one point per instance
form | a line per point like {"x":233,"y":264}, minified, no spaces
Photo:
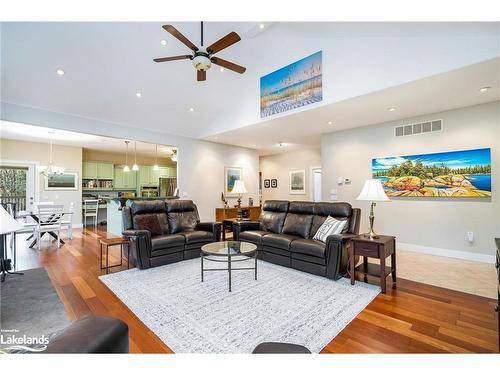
{"x":7,"y":225}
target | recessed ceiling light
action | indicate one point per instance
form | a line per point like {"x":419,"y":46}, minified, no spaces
{"x":60,"y":72}
{"x":191,"y":109}
{"x":216,"y":138}
{"x":391,"y":109}
{"x":261,"y":26}
{"x":280,"y":144}
{"x":221,"y":69}
{"x":163,"y":42}
{"x":330,"y":122}
{"x":138,"y":94}
{"x":254,"y":145}
{"x":485,"y":88}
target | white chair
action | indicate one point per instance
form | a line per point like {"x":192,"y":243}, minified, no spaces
{"x":90,"y":209}
{"x":50,"y":218}
{"x":41,"y":204}
{"x":68,"y":220}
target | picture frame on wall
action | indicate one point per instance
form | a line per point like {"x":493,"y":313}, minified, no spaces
{"x":274,"y":183}
{"x":267,"y":183}
{"x":65,"y":181}
{"x":298,"y":181}
{"x":231,"y":174}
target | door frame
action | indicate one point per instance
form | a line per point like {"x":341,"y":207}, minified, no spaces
{"x":32,"y":166}
{"x":311,"y":177}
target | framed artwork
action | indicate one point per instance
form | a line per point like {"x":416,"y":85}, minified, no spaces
{"x":455,"y":174}
{"x":267,"y":184}
{"x":274,"y":183}
{"x":298,"y":181}
{"x":292,"y":86}
{"x":231,"y":174}
{"x":65,"y":181}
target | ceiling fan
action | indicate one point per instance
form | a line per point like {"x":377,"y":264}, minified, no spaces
{"x":203,"y":58}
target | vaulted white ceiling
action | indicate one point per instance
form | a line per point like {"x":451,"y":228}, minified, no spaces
{"x":107,"y":63}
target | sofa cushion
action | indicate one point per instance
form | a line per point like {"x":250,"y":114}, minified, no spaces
{"x":272,"y":221}
{"x":297,"y":225}
{"x":253,"y":236}
{"x":308,"y":247}
{"x":329,"y":227}
{"x":148,"y":222}
{"x":276,"y":206}
{"x":301,"y":207}
{"x":182,"y":221}
{"x":338,"y":210}
{"x":147,"y":207}
{"x":280,"y":241}
{"x":197,"y":236}
{"x":181,"y":205}
{"x":308,"y":258}
{"x":166,"y":241}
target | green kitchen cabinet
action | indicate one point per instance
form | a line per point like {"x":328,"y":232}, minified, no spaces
{"x":105,"y":171}
{"x":154,"y":176}
{"x":165,"y":172}
{"x":89,"y":170}
{"x":144,"y":174}
{"x":124,"y":180}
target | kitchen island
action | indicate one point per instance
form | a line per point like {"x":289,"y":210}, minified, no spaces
{"x":114,"y":212}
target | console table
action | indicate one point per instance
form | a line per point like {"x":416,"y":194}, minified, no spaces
{"x":378,"y":248}
{"x":248,"y":212}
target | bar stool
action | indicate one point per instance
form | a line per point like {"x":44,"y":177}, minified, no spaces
{"x":106,"y":243}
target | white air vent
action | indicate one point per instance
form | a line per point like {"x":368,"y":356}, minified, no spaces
{"x":419,"y":128}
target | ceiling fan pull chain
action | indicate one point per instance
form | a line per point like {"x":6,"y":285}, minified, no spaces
{"x":202,"y":33}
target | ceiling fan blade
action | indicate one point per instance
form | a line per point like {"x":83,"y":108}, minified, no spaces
{"x":172,"y":30}
{"x":201,"y":75}
{"x":229,"y":65}
{"x":172,"y":58}
{"x":223,"y":42}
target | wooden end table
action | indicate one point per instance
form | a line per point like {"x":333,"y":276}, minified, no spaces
{"x":378,"y":248}
{"x":106,"y":243}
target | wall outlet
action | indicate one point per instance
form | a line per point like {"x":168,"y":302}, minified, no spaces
{"x":470,"y":236}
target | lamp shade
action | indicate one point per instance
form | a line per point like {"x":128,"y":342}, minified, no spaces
{"x":7,"y":223}
{"x":373,"y":191}
{"x":239,"y":187}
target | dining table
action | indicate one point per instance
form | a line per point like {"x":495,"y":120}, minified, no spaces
{"x":36,"y":218}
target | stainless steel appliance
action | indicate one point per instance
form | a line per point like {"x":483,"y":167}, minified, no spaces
{"x":167,"y":187}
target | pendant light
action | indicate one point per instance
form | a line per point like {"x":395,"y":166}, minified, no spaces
{"x":135,"y":167}
{"x":126,"y":168}
{"x":51,"y":170}
{"x":155,"y":167}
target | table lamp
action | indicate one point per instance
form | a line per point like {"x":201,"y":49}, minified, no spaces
{"x":7,"y":225}
{"x":373,"y":191}
{"x":239,"y":188}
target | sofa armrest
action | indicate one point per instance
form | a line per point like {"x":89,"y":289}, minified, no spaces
{"x":92,"y":334}
{"x":212,"y":227}
{"x":140,"y":246}
{"x":242,"y":226}
{"x":337,"y":255}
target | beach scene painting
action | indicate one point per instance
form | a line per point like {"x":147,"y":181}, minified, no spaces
{"x":461,"y":174}
{"x":293,"y":86}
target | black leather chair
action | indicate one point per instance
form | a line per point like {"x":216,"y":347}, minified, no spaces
{"x":91,"y":334}
{"x":182,"y":235}
{"x":280,"y":348}
{"x":285,"y":230}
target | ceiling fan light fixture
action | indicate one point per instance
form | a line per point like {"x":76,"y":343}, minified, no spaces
{"x":173,"y":157}
{"x":201,"y":62}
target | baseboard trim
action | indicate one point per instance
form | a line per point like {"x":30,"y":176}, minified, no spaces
{"x":484,"y":258}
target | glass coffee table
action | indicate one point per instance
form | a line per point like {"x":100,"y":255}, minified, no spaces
{"x":225,"y":252}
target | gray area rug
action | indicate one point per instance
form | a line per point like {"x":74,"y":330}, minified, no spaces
{"x":30,"y":304}
{"x":283,"y":305}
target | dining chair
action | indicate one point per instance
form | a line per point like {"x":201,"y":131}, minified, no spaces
{"x":68,"y":220}
{"x":50,"y":218}
{"x":36,"y":205}
{"x":90,"y":209}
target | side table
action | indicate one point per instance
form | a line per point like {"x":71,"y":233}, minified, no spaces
{"x":378,"y":248}
{"x":105,"y":243}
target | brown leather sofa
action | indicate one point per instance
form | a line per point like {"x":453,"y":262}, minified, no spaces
{"x":180,"y":235}
{"x":284,"y":233}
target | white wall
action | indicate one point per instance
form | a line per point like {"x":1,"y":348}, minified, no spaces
{"x":435,"y":225}
{"x":279,"y":167}
{"x":67,"y":157}
{"x":200,"y":167}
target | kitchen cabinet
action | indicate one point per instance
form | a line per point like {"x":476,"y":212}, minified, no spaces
{"x":147,"y":176}
{"x":166,"y":172}
{"x":144,"y":174}
{"x":124,"y":180}
{"x":93,"y":170}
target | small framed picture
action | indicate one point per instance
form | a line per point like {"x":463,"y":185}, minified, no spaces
{"x":297,"y":181}
{"x":274,"y":183}
{"x":267,"y":184}
{"x":65,"y":181}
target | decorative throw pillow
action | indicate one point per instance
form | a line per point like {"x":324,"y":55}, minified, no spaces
{"x":148,"y":222}
{"x":329,"y":227}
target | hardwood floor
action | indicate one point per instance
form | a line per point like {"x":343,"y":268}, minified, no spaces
{"x":411,"y":318}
